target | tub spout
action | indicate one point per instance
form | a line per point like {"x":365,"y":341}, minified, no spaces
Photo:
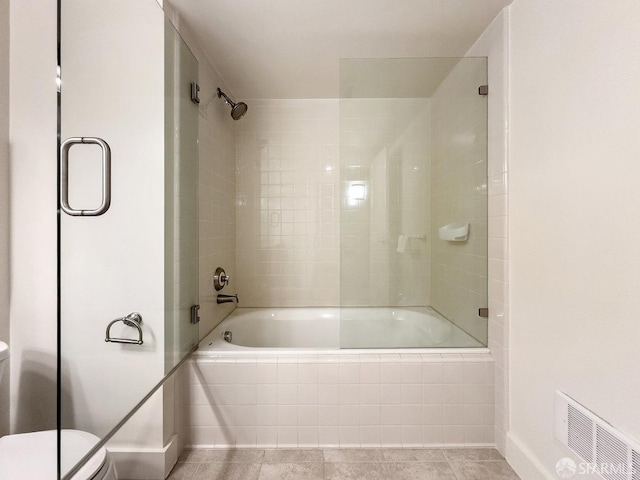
{"x":227,"y":298}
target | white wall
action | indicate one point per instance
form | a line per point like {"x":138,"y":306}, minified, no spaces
{"x":288,"y":212}
{"x":574,"y":219}
{"x":4,"y":204}
{"x":33,"y":214}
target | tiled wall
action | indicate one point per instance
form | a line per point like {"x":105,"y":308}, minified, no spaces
{"x":287,"y":204}
{"x":407,"y":400}
{"x":459,"y":186}
{"x":384,"y":147}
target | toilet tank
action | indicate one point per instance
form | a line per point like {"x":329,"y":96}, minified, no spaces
{"x":4,"y":354}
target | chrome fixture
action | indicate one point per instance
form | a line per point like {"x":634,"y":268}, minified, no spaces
{"x":220,"y":279}
{"x":195,"y":317}
{"x":64,"y":176}
{"x":237,"y":109}
{"x":227,"y":298}
{"x":227,"y":336}
{"x":133,"y":320}
{"x":195,"y":93}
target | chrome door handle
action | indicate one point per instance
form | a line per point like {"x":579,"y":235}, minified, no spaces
{"x":64,"y":176}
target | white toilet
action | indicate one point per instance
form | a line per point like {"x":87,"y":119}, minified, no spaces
{"x":33,"y":455}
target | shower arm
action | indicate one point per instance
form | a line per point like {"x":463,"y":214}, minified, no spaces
{"x":226,"y":99}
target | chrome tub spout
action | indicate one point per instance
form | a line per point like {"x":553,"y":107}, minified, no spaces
{"x":227,"y":298}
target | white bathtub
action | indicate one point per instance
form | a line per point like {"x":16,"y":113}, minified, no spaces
{"x":285,"y":381}
{"x":336,"y":329}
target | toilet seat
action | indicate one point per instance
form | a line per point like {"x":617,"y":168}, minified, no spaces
{"x":33,"y":455}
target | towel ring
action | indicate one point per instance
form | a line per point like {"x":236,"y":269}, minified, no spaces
{"x":132,"y":320}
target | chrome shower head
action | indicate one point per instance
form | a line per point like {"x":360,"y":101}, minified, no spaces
{"x":237,"y":109}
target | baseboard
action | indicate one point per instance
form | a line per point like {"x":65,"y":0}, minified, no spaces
{"x":208,"y":446}
{"x":145,"y":463}
{"x":524,"y":462}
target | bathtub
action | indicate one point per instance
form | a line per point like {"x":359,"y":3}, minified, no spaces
{"x":285,"y":382}
{"x":338,"y":329}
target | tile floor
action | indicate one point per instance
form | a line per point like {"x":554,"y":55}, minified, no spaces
{"x":343,"y":464}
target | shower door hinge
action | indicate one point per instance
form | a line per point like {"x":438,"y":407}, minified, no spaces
{"x":195,"y":318}
{"x":195,"y":93}
{"x":483,"y":90}
{"x":483,"y":312}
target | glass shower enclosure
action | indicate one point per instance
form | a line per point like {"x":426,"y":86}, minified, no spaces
{"x":128,"y":231}
{"x":413,"y":216}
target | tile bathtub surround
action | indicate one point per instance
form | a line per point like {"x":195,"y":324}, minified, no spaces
{"x":344,"y":464}
{"x":288,"y":196}
{"x":388,"y":400}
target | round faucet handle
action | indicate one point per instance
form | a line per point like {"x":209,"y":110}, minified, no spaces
{"x":220,"y":279}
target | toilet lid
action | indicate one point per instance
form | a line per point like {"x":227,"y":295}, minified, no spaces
{"x":33,"y":455}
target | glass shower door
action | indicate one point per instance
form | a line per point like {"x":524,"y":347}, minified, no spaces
{"x":413,"y":160}
{"x":128,"y":251}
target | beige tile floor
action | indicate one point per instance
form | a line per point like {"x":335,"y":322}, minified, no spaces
{"x":343,"y":464}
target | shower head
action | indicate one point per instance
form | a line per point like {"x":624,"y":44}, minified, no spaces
{"x":237,"y":109}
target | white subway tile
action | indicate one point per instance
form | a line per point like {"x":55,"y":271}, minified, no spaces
{"x":412,"y":393}
{"x":308,"y":415}
{"x":391,"y":373}
{"x":287,"y":437}
{"x":370,"y":394}
{"x":308,"y":394}
{"x":308,"y":437}
{"x":453,"y":415}
{"x":453,"y":372}
{"x":329,"y":373}
{"x":390,"y":394}
{"x":267,"y":394}
{"x":287,"y":372}
{"x":411,"y":373}
{"x":391,"y":435}
{"x":412,"y":436}
{"x":329,"y":436}
{"x":267,"y":437}
{"x":432,"y":435}
{"x":287,"y":415}
{"x":349,"y":394}
{"x":329,"y":415}
{"x":349,"y":415}
{"x":432,"y":373}
{"x":349,"y":437}
{"x":287,"y":394}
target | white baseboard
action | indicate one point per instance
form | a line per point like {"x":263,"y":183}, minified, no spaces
{"x":145,"y":463}
{"x":524,"y":462}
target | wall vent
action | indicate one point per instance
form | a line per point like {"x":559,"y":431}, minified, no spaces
{"x":610,"y":453}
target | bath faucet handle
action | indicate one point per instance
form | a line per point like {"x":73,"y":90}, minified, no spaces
{"x":220,"y":279}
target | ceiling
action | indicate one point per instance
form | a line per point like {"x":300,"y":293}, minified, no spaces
{"x":292,"y":48}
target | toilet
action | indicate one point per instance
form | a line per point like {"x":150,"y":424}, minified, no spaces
{"x":33,"y":455}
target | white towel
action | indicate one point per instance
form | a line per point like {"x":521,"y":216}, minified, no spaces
{"x":402,"y":243}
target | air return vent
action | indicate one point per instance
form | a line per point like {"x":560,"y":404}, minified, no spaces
{"x":608,"y":451}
